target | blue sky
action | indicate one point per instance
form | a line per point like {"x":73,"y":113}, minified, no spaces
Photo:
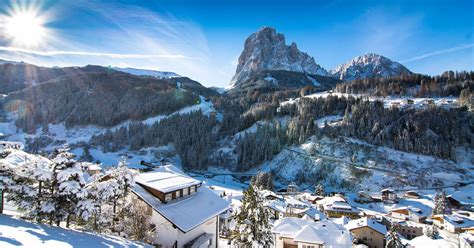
{"x":203,"y":39}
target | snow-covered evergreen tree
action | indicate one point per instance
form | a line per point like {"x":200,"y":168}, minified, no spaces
{"x":68,"y":186}
{"x":251,"y":227}
{"x":319,"y":190}
{"x":441,"y":204}
{"x":393,"y":240}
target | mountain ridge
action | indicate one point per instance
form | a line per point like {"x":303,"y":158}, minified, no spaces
{"x":369,"y":65}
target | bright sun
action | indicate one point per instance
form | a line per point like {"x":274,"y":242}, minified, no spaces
{"x":25,"y":28}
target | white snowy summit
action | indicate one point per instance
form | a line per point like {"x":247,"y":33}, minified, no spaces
{"x":370,"y":65}
{"x":266,"y":50}
{"x":150,"y":73}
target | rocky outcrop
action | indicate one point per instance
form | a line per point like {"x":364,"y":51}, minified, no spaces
{"x":266,"y":50}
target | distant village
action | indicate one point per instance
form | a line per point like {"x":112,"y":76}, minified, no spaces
{"x":181,"y":211}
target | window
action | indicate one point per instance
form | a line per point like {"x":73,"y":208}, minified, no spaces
{"x":185,"y":191}
{"x":177,"y":193}
{"x":371,"y":233}
{"x":192,"y":189}
{"x":168,"y":197}
{"x":309,"y":246}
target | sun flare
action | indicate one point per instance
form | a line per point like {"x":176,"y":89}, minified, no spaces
{"x":25,"y":28}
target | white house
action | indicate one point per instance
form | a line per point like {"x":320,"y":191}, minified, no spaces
{"x":299,"y":233}
{"x":185,"y":213}
{"x":408,"y":213}
{"x":453,"y":223}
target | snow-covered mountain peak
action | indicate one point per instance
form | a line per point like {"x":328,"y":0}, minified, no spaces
{"x":266,"y":50}
{"x":369,"y":65}
{"x":145,"y":72}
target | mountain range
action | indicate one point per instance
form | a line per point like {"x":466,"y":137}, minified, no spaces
{"x":266,"y":51}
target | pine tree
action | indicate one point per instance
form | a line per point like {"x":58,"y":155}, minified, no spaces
{"x":441,"y":204}
{"x":67,"y":188}
{"x":252,"y":228}
{"x":393,"y":240}
{"x":319,"y":190}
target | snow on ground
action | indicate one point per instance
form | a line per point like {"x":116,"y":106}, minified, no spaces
{"x":412,"y":170}
{"x":61,"y":135}
{"x":19,"y":233}
{"x":388,"y":101}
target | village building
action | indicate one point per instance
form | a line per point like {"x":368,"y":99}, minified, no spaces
{"x":300,"y":233}
{"x":412,"y":195}
{"x":409,"y":229}
{"x":183,"y":212}
{"x":11,"y":145}
{"x":286,"y":207}
{"x":409,"y":213}
{"x":292,"y":188}
{"x":368,"y":231}
{"x":454,"y":223}
{"x":389,"y":196}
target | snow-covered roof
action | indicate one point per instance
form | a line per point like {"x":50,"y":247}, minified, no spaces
{"x":463,"y":196}
{"x":315,"y":214}
{"x":424,"y":241}
{"x":366,"y":222}
{"x":308,"y":235}
{"x":188,"y":212}
{"x":166,"y":179}
{"x":459,"y":221}
{"x":323,"y":232}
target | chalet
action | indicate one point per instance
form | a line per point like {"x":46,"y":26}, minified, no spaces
{"x":338,"y":209}
{"x":363,"y":197}
{"x":453,"y":223}
{"x":412,"y":194}
{"x":368,"y":231}
{"x":395,"y":104}
{"x":389,"y":196}
{"x":408,"y":229}
{"x":93,"y":169}
{"x":184,"y":213}
{"x":287,"y":207}
{"x":269,"y":195}
{"x":408,"y":213}
{"x":462,"y":201}
{"x":295,"y":232}
{"x":292,"y":188}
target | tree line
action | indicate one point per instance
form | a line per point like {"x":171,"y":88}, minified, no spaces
{"x":192,"y":135}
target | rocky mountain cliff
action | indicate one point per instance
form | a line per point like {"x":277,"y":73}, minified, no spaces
{"x":370,"y":65}
{"x":266,"y":50}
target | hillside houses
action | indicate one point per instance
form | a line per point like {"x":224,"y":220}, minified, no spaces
{"x":183,"y":213}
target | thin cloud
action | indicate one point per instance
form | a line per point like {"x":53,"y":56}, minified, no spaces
{"x":110,"y":55}
{"x":439,"y":52}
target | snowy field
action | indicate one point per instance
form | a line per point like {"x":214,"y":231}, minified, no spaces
{"x":19,"y":233}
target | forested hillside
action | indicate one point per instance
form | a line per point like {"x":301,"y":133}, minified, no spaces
{"x":416,"y":85}
{"x":103,"y":99}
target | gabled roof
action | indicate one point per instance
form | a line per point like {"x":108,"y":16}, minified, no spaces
{"x":308,"y":235}
{"x":366,"y":222}
{"x":188,"y":212}
{"x":323,"y":232}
